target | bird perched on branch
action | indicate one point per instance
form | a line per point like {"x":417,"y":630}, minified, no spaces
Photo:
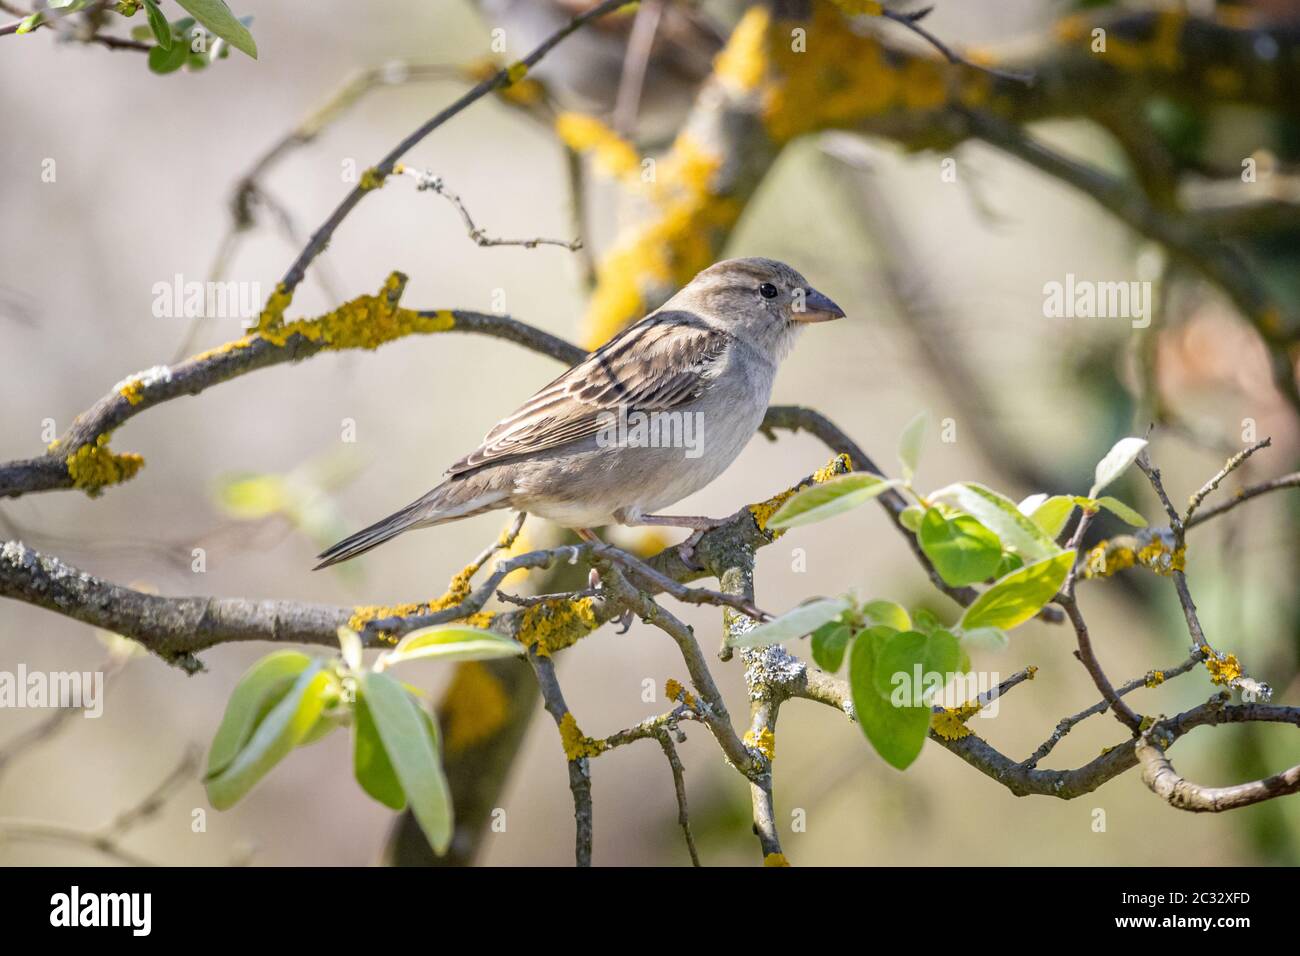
{"x":644,"y":421}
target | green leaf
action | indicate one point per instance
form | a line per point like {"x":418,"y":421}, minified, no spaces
{"x":909,"y":665}
{"x":961,"y":549}
{"x":896,"y":733}
{"x":452,"y":642}
{"x":887,"y":613}
{"x":796,"y":622}
{"x":350,"y":645}
{"x":374,"y":771}
{"x":1052,"y":514}
{"x":167,"y":59}
{"x":285,"y":727}
{"x":216,"y":16}
{"x":1020,"y":595}
{"x":162,"y":30}
{"x":984,"y":638}
{"x":829,"y":498}
{"x":1117,"y":461}
{"x":260,"y":689}
{"x":828,"y":644}
{"x":910,"y":518}
{"x":909,"y":444}
{"x":1122,"y":511}
{"x":923,"y":621}
{"x":410,"y":741}
{"x":1001,"y":516}
{"x":1010,"y":562}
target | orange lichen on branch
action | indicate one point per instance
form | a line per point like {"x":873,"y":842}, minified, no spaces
{"x":613,"y":155}
{"x":775,"y":859}
{"x":458,"y":589}
{"x":688,"y":215}
{"x":763,"y":511}
{"x":93,"y":467}
{"x":764,"y":742}
{"x":1162,"y":50}
{"x":674,"y":690}
{"x":950,"y":722}
{"x":1223,"y":670}
{"x":555,"y":624}
{"x":474,"y":707}
{"x":576,"y":744}
{"x":1110,"y":557}
{"x":365,"y":322}
{"x":1162,"y":559}
{"x":772,"y":81}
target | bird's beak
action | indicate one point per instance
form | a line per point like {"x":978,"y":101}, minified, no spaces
{"x":817,"y":308}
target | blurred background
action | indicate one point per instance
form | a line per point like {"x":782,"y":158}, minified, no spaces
{"x":943,"y":285}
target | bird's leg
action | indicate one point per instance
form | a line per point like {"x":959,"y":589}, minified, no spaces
{"x":593,"y":578}
{"x":698,"y":523}
{"x":589,"y":536}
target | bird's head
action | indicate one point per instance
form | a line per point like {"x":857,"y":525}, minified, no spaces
{"x":762,"y":301}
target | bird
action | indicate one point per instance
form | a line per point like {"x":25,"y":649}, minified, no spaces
{"x":647,"y":419}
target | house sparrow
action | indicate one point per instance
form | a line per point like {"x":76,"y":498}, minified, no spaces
{"x":647,"y":419}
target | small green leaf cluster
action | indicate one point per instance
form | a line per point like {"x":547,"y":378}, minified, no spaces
{"x":972,"y":535}
{"x":197,"y":40}
{"x":289,"y":700}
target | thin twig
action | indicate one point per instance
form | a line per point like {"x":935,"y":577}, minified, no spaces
{"x":427,"y":181}
{"x":911,"y":21}
{"x":502,"y":78}
{"x":1066,"y":724}
{"x":679,"y":786}
{"x":1245,"y":494}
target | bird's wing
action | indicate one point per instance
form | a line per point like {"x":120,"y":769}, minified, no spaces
{"x":662,"y":362}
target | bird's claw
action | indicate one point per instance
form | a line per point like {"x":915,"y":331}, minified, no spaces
{"x":624,"y":621}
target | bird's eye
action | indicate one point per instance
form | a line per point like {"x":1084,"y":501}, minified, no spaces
{"x":767,"y":290}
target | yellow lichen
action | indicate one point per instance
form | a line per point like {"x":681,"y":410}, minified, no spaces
{"x":1159,"y":558}
{"x":520,"y":92}
{"x":1107,"y":558}
{"x":576,"y":744}
{"x":763,"y":511}
{"x":743,"y":61}
{"x":365,"y":322}
{"x":871,"y":8}
{"x":516,"y":71}
{"x":474,"y":707}
{"x":372,"y":178}
{"x":1155,"y":679}
{"x":677,"y":240}
{"x":585,"y":134}
{"x":764,"y":742}
{"x":93,"y":467}
{"x":775,"y":859}
{"x":458,"y":589}
{"x":950,"y":722}
{"x":133,"y":391}
{"x":674,"y":690}
{"x":1223,"y":670}
{"x":272,"y":314}
{"x":555,"y":624}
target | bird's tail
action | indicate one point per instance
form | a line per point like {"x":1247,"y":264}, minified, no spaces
{"x":457,"y":498}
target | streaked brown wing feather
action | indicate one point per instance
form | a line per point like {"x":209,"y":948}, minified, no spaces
{"x":660,"y":363}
